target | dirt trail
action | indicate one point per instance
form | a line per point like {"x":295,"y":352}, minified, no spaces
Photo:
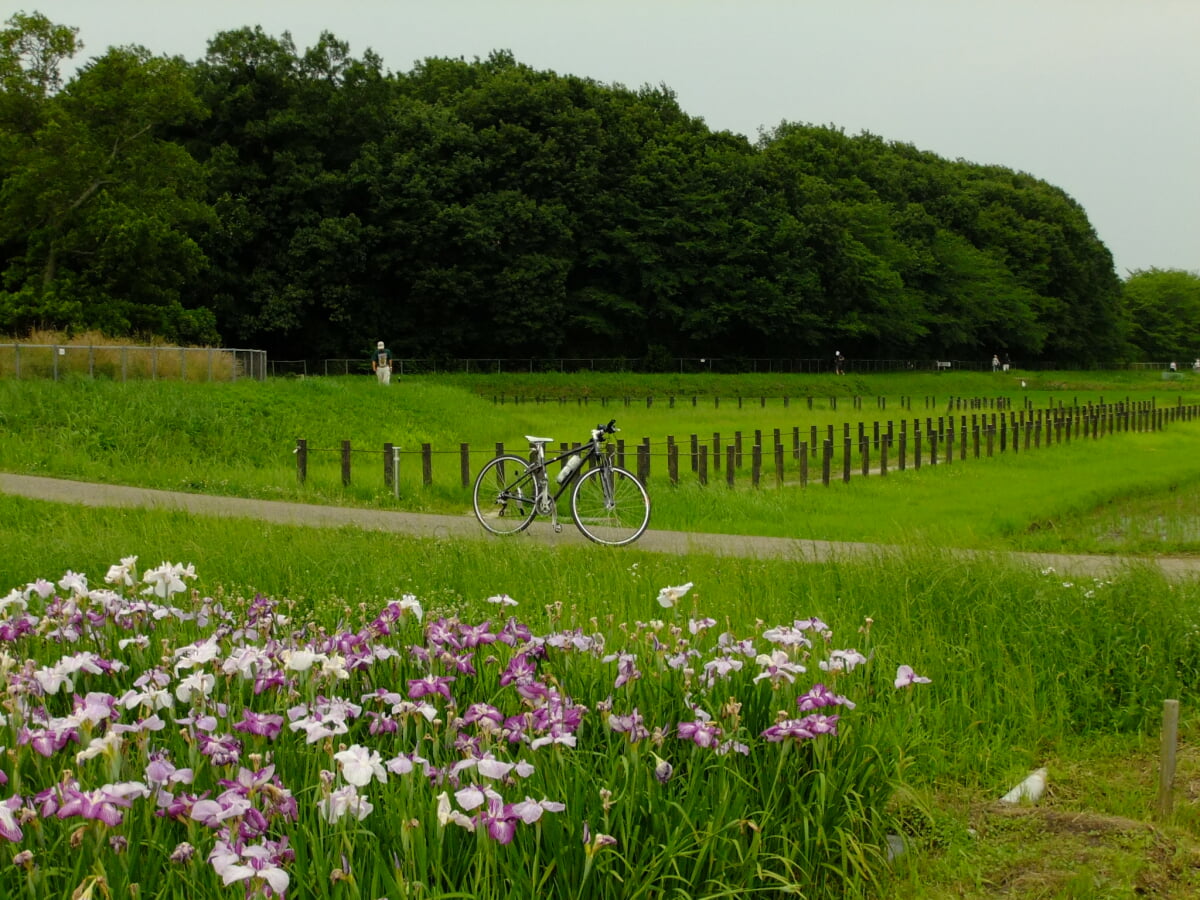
{"x":425,"y":525}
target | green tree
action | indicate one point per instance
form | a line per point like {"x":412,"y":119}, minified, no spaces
{"x":97,"y":208}
{"x":1163,"y":307}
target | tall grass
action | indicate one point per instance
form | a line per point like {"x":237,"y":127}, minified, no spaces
{"x":45,"y":354}
{"x":1020,"y":657}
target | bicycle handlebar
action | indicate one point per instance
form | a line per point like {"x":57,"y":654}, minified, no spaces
{"x":601,"y":430}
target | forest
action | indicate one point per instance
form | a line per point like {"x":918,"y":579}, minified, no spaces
{"x":308,"y":202}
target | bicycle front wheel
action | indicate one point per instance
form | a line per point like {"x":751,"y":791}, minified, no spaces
{"x":610,"y":506}
{"x":505,"y":495}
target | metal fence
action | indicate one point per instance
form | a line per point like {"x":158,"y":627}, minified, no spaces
{"x":684,"y":365}
{"x":127,"y":363}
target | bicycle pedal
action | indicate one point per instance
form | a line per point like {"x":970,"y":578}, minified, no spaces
{"x":557,"y":528}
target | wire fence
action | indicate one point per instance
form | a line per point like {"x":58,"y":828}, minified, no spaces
{"x":685,"y":365}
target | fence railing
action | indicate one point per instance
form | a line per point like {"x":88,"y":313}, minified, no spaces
{"x":690,"y":365}
{"x":125,"y":363}
{"x":816,"y":452}
{"x":685,"y":365}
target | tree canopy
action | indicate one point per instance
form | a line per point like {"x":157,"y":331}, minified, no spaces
{"x":309,"y":202}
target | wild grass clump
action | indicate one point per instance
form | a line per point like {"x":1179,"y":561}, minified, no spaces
{"x":54,"y":355}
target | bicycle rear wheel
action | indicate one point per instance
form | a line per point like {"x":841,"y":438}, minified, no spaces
{"x":505,"y":495}
{"x":610,"y":506}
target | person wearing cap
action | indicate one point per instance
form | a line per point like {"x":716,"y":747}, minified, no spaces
{"x":381,"y":363}
{"x":839,"y":363}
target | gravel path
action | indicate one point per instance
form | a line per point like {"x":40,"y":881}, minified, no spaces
{"x":425,"y":525}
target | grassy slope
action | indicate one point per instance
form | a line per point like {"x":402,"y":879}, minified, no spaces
{"x":238,"y":439}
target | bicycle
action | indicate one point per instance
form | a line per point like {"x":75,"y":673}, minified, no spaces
{"x":609,"y":505}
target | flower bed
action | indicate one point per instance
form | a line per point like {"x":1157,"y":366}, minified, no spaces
{"x":244,"y":751}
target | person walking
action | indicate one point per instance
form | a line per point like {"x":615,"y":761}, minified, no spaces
{"x":381,"y":363}
{"x":839,"y":363}
{"x":995,"y":363}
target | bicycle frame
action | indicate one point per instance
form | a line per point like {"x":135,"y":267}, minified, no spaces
{"x":540,"y":469}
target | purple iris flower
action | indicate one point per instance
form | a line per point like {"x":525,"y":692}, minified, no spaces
{"x":520,"y":670}
{"x":382,"y":723}
{"x":100,"y":805}
{"x":460,"y":662}
{"x":702,"y":734}
{"x":514,"y":633}
{"x":486,"y":714}
{"x":819,"y":696}
{"x":627,"y":669}
{"x":801,"y":729}
{"x":269,"y":681}
{"x":501,"y":822}
{"x":476,"y":635}
{"x":266,"y":725}
{"x":430,"y":684}
{"x":222,"y":750}
{"x":442,"y":633}
{"x":48,"y":741}
{"x":631,"y":725}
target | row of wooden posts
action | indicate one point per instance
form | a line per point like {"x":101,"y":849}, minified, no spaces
{"x":856,"y":402}
{"x":882,"y":448}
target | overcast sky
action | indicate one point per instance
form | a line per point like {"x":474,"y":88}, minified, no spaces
{"x":1098,"y":97}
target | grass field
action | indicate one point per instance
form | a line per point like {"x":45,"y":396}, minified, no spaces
{"x":239,"y":439}
{"x":1027,"y":668}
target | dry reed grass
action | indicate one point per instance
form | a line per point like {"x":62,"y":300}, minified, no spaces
{"x":49,"y":354}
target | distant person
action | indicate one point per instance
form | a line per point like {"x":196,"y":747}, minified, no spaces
{"x":839,"y":363}
{"x":1174,"y":368}
{"x":1007,"y":362}
{"x":995,"y":363}
{"x":381,"y":363}
{"x":1196,"y":364}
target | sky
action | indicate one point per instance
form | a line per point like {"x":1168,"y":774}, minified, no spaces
{"x":1098,"y":97}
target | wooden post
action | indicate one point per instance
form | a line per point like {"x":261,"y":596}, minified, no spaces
{"x":620,"y":453}
{"x":730,"y":464}
{"x":464,"y":463}
{"x":826,"y":462}
{"x":883,"y":455}
{"x":716,"y":451}
{"x":387,"y":465}
{"x":737,"y":448}
{"x":346,"y":463}
{"x":916,"y":447}
{"x":902,"y":448}
{"x":865,"y":444}
{"x":847,"y":450}
{"x":643,"y":461}
{"x":991,"y":438}
{"x":1166,"y":769}
{"x":756,"y":464}
{"x":695,"y":452}
{"x":301,"y":460}
{"x":427,"y":464}
{"x":702,"y":465}
{"x":803,"y":464}
{"x":672,"y":461}
{"x":778,"y":464}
